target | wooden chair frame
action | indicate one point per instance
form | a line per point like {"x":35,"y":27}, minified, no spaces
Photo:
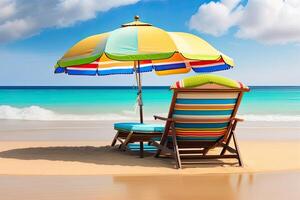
{"x":181,"y":149}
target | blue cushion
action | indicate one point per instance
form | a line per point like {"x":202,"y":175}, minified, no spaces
{"x":139,"y":128}
{"x":136,"y":147}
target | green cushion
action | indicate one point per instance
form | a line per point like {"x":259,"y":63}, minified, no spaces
{"x":139,"y":128}
{"x":203,"y":79}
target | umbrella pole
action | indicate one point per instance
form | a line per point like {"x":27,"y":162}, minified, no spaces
{"x":140,"y":101}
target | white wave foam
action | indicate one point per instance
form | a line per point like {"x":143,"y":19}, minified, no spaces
{"x":271,"y":118}
{"x":42,"y":114}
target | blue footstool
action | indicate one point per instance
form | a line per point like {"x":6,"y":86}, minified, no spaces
{"x":131,"y":132}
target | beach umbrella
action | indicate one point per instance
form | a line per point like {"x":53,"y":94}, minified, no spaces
{"x":139,"y":47}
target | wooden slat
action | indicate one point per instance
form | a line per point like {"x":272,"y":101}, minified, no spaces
{"x":207,"y":157}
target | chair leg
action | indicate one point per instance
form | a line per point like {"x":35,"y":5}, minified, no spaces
{"x":127,"y":140}
{"x":158,"y":152}
{"x":226,"y":144}
{"x":163,"y":141}
{"x":115,"y":139}
{"x":237,"y":151}
{"x":205,"y":150}
{"x":141,"y":149}
{"x":177,"y":158}
{"x":175,"y":147}
{"x":121,"y":143}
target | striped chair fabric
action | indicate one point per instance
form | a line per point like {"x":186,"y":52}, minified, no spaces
{"x":203,"y":115}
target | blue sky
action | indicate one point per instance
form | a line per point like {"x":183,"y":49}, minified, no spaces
{"x":266,"y":48}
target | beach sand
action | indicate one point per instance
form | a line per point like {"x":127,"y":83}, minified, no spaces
{"x":98,"y":158}
{"x":77,"y":155}
{"x":82,"y":148}
{"x":275,"y":186}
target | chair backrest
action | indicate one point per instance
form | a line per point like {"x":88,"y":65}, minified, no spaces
{"x":203,"y":105}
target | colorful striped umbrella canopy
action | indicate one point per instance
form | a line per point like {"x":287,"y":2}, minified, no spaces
{"x":139,"y":47}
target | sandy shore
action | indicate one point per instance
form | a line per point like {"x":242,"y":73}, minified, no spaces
{"x":82,"y":148}
{"x":96,"y":158}
{"x":73,"y":160}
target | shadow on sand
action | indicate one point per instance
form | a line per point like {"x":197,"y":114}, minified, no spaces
{"x":104,"y":155}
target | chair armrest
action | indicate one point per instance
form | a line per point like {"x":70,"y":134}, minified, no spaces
{"x":162,"y":118}
{"x":237,"y":119}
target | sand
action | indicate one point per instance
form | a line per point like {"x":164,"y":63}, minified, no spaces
{"x":73,"y":160}
{"x":275,"y":186}
{"x":98,"y":158}
{"x":82,"y":148}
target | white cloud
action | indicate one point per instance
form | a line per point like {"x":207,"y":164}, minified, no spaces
{"x":223,"y":15}
{"x":268,"y":21}
{"x":22,"y":18}
{"x":8,"y":8}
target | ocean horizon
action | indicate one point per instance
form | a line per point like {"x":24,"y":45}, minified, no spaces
{"x":50,"y":103}
{"x":122,"y":86}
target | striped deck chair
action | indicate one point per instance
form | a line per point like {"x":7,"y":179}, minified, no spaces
{"x":202,"y":117}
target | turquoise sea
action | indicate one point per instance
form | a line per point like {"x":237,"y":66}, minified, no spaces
{"x":270,"y":103}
